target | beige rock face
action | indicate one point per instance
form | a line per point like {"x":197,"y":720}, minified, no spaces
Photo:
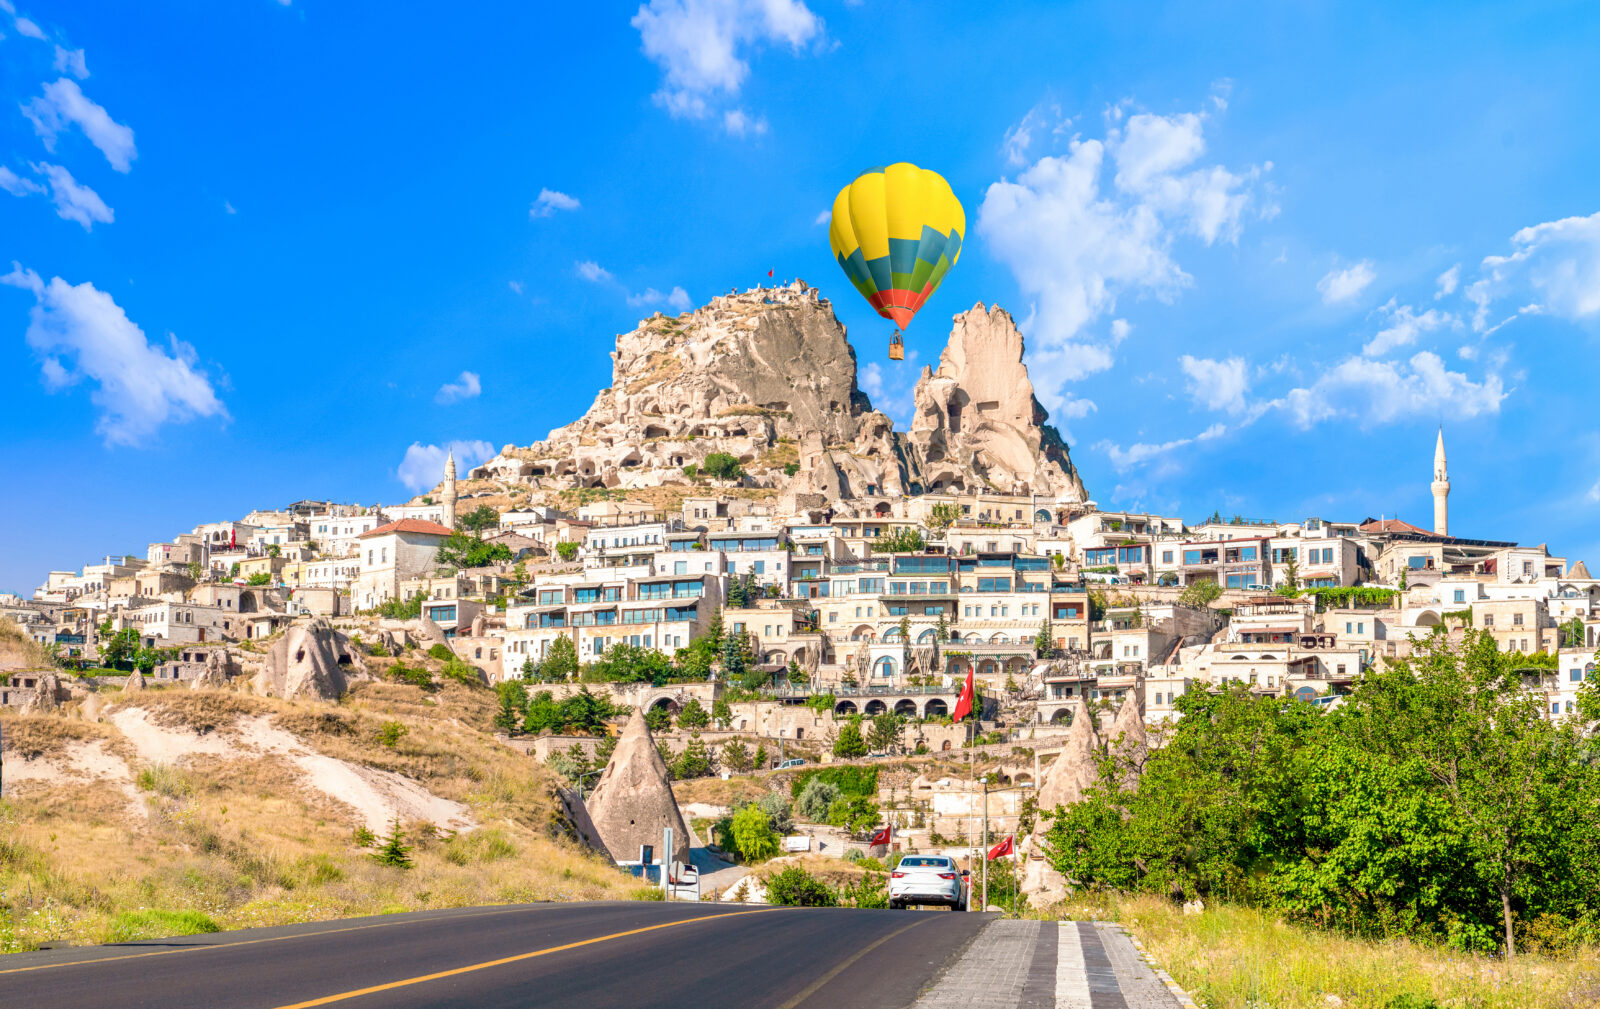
{"x":770,"y":378}
{"x":977,"y":418}
{"x":311,"y":660}
{"x":135,"y":681}
{"x":633,"y":801}
{"x":1127,"y":738}
{"x":1075,"y":770}
{"x":219,"y":665}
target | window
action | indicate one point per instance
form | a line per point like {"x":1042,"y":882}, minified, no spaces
{"x":1166,"y":556}
{"x":1461,"y":595}
{"x":1158,"y":697}
{"x":1516,"y":620}
{"x":1488,"y":620}
{"x":1416,"y":563}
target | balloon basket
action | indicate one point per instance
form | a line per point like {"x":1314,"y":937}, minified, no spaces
{"x":897,"y":348}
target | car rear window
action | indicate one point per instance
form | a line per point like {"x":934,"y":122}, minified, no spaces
{"x":923,"y":861}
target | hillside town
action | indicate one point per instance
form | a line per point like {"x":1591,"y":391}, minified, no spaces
{"x":721,"y":536}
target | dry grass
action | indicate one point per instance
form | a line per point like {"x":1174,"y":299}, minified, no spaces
{"x":246,"y":841}
{"x":716,"y":792}
{"x":18,"y":651}
{"x":1238,"y":958}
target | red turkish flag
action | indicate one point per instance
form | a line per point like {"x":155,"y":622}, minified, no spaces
{"x":1003,"y":848}
{"x":964,"y":702}
{"x":882,"y":836}
{"x":769,"y":273}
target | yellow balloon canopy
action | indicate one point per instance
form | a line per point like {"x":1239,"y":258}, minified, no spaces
{"x":896,"y":232}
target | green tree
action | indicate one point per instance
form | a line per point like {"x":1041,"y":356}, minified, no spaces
{"x":567,"y":550}
{"x":462,"y":550}
{"x":273,"y":550}
{"x":753,"y":836}
{"x":778,"y":811}
{"x":693,"y":716}
{"x":259,"y":578}
{"x":905,"y":540}
{"x":694,"y":762}
{"x":721,"y":713}
{"x":760,"y":760}
{"x":604,"y":749}
{"x":942,"y":516}
{"x":736,"y":756}
{"x":849,"y":745}
{"x":587,"y":713}
{"x":659,"y":719}
{"x":1291,"y":574}
{"x":119,"y":648}
{"x":394,"y":851}
{"x":884,"y":735}
{"x":513,"y":699}
{"x":796,"y":674}
{"x":814,"y":800}
{"x":733,"y":652}
{"x":572,"y":763}
{"x":625,"y":663}
{"x":560,"y":660}
{"x":1045,"y":641}
{"x":479,"y":519}
{"x":722,"y":466}
{"x":855,"y":813}
{"x":1199,"y":595}
{"x":542,"y":714}
{"x":195,"y":570}
{"x":941,"y":631}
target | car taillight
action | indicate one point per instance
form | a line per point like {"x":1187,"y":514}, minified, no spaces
{"x":897,"y":875}
{"x":947,"y":875}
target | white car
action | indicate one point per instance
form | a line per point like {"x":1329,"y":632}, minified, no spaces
{"x":928,"y":879}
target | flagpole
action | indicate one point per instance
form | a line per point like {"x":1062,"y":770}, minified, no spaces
{"x":985,"y":905}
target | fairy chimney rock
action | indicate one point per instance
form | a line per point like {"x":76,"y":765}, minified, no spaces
{"x":1076,"y":769}
{"x":1128,"y":740}
{"x":633,"y":801}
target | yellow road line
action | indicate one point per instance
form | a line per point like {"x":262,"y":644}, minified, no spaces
{"x":811,"y":989}
{"x":390,"y":986}
{"x":252,"y":942}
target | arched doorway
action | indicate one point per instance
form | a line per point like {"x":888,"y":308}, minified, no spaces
{"x":935,"y":708}
{"x":884,"y":668}
{"x":906,"y":707}
{"x":845,"y":708}
{"x":875,"y":707}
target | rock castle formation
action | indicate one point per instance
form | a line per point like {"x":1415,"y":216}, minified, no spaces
{"x":768,"y":377}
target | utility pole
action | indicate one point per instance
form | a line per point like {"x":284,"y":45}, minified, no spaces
{"x":985,"y":846}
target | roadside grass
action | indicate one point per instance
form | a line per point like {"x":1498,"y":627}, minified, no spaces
{"x":243,"y":840}
{"x":1240,"y":958}
{"x":713,"y":791}
{"x":154,"y":923}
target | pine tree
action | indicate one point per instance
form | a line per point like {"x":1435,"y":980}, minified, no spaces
{"x":714,"y":632}
{"x":733,"y":666}
{"x":394,"y":851}
{"x":759,"y":761}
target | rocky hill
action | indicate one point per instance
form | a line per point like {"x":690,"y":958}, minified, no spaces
{"x":769,"y":377}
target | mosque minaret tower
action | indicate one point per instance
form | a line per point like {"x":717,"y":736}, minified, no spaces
{"x":1441,"y":489}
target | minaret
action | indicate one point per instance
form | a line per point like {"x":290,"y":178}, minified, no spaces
{"x":448,"y":498}
{"x":1441,"y":489}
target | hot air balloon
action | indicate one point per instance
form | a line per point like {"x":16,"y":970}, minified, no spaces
{"x":896,"y":232}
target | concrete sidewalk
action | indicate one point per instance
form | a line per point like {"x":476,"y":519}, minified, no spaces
{"x":1054,"y":965}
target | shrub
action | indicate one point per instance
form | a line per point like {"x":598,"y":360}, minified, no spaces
{"x":722,"y":466}
{"x":753,"y":836}
{"x":814,"y":801}
{"x":849,"y":743}
{"x":846,"y":780}
{"x":441,"y":652}
{"x":164,"y":779}
{"x":394,"y":851}
{"x":869,"y":891}
{"x":566,"y":550}
{"x":416,"y":676}
{"x":777,"y":809}
{"x":794,"y":887}
{"x":389,"y":734}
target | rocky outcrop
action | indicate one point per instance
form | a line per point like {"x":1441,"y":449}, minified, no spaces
{"x":769,"y":377}
{"x":978,"y":424}
{"x":633,"y":801}
{"x":1076,"y":769}
{"x":312,"y":661}
{"x":134,"y":682}
{"x":47,"y":695}
{"x":218,"y":669}
{"x":1127,"y":739}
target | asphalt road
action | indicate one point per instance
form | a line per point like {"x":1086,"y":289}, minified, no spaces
{"x":571,"y":955}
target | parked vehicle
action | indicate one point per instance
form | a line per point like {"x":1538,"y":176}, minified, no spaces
{"x":928,"y":880}
{"x":792,"y":762}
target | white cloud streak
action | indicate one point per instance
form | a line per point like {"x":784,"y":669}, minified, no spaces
{"x":1447,"y":282}
{"x":1558,"y":260}
{"x":702,"y":46}
{"x":70,"y":61}
{"x":467,"y":386}
{"x":550,"y":201}
{"x":422,"y":467}
{"x":64,"y":105}
{"x":1378,"y":392}
{"x":676,"y":299}
{"x":74,"y":201}
{"x":16,"y":185}
{"x":81,"y":334}
{"x":1338,"y":286}
{"x":1217,"y":385}
{"x":591,"y":271}
{"x":1402,"y":326}
{"x":1139,"y":453}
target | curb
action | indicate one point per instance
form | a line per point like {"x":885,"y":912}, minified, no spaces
{"x":1176,"y":989}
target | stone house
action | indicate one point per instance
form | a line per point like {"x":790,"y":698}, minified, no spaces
{"x":393,"y":553}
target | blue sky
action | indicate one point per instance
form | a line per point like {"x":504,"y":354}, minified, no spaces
{"x":270,"y":250}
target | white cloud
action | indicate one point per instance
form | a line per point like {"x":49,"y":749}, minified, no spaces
{"x":824,"y":217}
{"x":467,"y":386}
{"x":677,"y":299}
{"x":550,"y":201}
{"x":515,"y":285}
{"x":1120,"y":328}
{"x":701,"y":48}
{"x":423,"y":465}
{"x":1019,"y":139}
{"x":1217,"y":385}
{"x":81,"y":333}
{"x":29,"y":29}
{"x":70,"y":61}
{"x":1341,"y":285}
{"x":591,"y":271}
{"x":74,"y":201}
{"x":64,"y":104}
{"x":16,"y":185}
{"x":1593,"y":497}
{"x":1402,"y":327}
{"x":738,"y":123}
{"x":1559,"y":260}
{"x":1378,"y":392}
{"x":1075,"y":245}
{"x":1139,"y":453}
{"x":228,"y":206}
{"x":1448,"y":281}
